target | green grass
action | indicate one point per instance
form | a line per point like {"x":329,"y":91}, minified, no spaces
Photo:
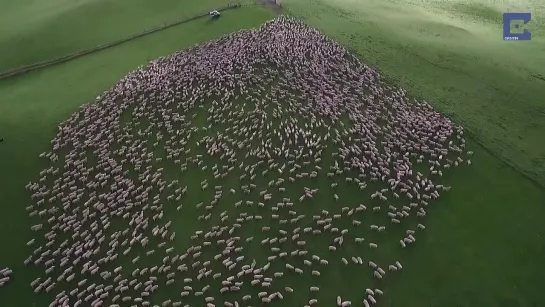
{"x":34,"y":104}
{"x":484,"y":243}
{"x":60,"y":27}
{"x":484,"y":240}
{"x":452,"y":54}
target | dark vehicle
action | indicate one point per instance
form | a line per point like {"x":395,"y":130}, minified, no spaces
{"x":215,"y":14}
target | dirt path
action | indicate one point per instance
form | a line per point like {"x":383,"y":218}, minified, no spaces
{"x":273,"y":5}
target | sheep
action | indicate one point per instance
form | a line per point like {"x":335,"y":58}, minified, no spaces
{"x":249,"y":145}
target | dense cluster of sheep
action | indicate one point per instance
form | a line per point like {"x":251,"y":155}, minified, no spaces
{"x":245,"y":137}
{"x":5,"y":276}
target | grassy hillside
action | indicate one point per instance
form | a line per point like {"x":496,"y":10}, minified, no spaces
{"x":484,"y":239}
{"x":452,"y":54}
{"x":34,"y":104}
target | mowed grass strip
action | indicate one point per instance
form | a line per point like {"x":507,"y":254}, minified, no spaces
{"x":35,"y":31}
{"x":452,"y":54}
{"x":34,"y":104}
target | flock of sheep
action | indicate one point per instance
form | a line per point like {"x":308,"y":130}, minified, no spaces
{"x":233,"y":140}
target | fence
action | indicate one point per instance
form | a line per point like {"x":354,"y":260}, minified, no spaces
{"x":62,"y":59}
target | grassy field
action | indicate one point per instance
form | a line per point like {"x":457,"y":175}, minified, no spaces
{"x":484,"y":240}
{"x":452,"y":53}
{"x":59,"y":27}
